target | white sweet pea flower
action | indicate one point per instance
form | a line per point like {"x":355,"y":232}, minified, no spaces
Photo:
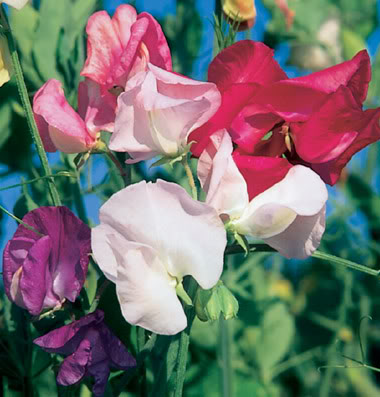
{"x":158,"y":111}
{"x":289,"y":216}
{"x":18,"y":4}
{"x":150,"y":236}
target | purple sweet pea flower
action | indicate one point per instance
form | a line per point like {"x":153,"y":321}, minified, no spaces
{"x":41,"y":270}
{"x":91,"y":350}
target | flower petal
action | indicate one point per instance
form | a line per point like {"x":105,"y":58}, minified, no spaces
{"x":301,"y":238}
{"x":246,"y":61}
{"x":73,"y":367}
{"x":220,"y":178}
{"x":66,"y":130}
{"x":164,"y":217}
{"x":260,"y":172}
{"x":146,"y":294}
{"x":33,"y":284}
{"x":301,"y":192}
{"x":105,"y":45}
{"x":158,"y":111}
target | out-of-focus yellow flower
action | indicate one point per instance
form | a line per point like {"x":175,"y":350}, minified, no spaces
{"x":243,"y":11}
{"x":5,"y":61}
{"x":15,"y":3}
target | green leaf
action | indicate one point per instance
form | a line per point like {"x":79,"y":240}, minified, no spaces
{"x":269,"y":342}
{"x":52,"y":16}
{"x":24,"y":204}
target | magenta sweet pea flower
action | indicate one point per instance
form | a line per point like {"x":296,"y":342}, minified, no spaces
{"x":315,"y":120}
{"x":157,"y":112}
{"x":41,"y":270}
{"x":118,"y":48}
{"x":61,"y":127}
{"x":91,"y":350}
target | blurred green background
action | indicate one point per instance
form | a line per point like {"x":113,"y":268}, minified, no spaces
{"x":298,"y":320}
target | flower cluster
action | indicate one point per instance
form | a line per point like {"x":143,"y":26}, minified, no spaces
{"x":266,"y":146}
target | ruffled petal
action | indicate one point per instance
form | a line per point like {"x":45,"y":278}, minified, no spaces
{"x":159,"y":110}
{"x":220,"y":178}
{"x":73,"y":367}
{"x":302,"y":237}
{"x":33,"y":284}
{"x":164,"y":217}
{"x":246,"y":61}
{"x":301,"y":192}
{"x":146,"y":293}
{"x":57,"y":119}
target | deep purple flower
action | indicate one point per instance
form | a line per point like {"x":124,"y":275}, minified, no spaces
{"x":91,"y":350}
{"x":41,"y":270}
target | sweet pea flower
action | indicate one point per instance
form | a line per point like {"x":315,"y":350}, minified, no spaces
{"x":289,"y":215}
{"x":242,"y":11}
{"x":61,"y":127}
{"x":91,"y":350}
{"x":45,"y":266}
{"x":158,"y":111}
{"x":5,"y":61}
{"x":118,"y":48}
{"x":18,"y":4}
{"x":315,"y":120}
{"x":150,"y":236}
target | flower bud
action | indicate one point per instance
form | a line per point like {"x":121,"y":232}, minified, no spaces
{"x":241,"y":11}
{"x":209,"y":304}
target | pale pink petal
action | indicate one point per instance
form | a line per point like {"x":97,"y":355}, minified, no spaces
{"x":220,"y":178}
{"x":301,"y":238}
{"x":188,"y":235}
{"x":66,"y":130}
{"x":301,"y":192}
{"x":125,"y":16}
{"x":158,"y":111}
{"x":97,"y":110}
{"x":146,"y":293}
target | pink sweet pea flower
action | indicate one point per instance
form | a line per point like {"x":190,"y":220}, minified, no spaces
{"x":61,"y":127}
{"x":147,"y":246}
{"x":318,"y":118}
{"x":41,"y":270}
{"x":118,"y":48}
{"x":289,"y":215}
{"x":158,"y":111}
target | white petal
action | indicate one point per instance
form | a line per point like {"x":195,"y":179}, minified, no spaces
{"x":220,"y":178}
{"x":188,"y":235}
{"x":102,"y":250}
{"x":301,"y":238}
{"x":146,"y":294}
{"x":301,"y":192}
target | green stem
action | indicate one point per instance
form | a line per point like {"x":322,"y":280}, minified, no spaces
{"x":28,"y":108}
{"x":185,"y":340}
{"x":63,"y":173}
{"x":18,"y":220}
{"x":225,"y":357}
{"x":190,"y":177}
{"x":347,"y":281}
{"x":237,"y":249}
{"x":125,"y":174}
